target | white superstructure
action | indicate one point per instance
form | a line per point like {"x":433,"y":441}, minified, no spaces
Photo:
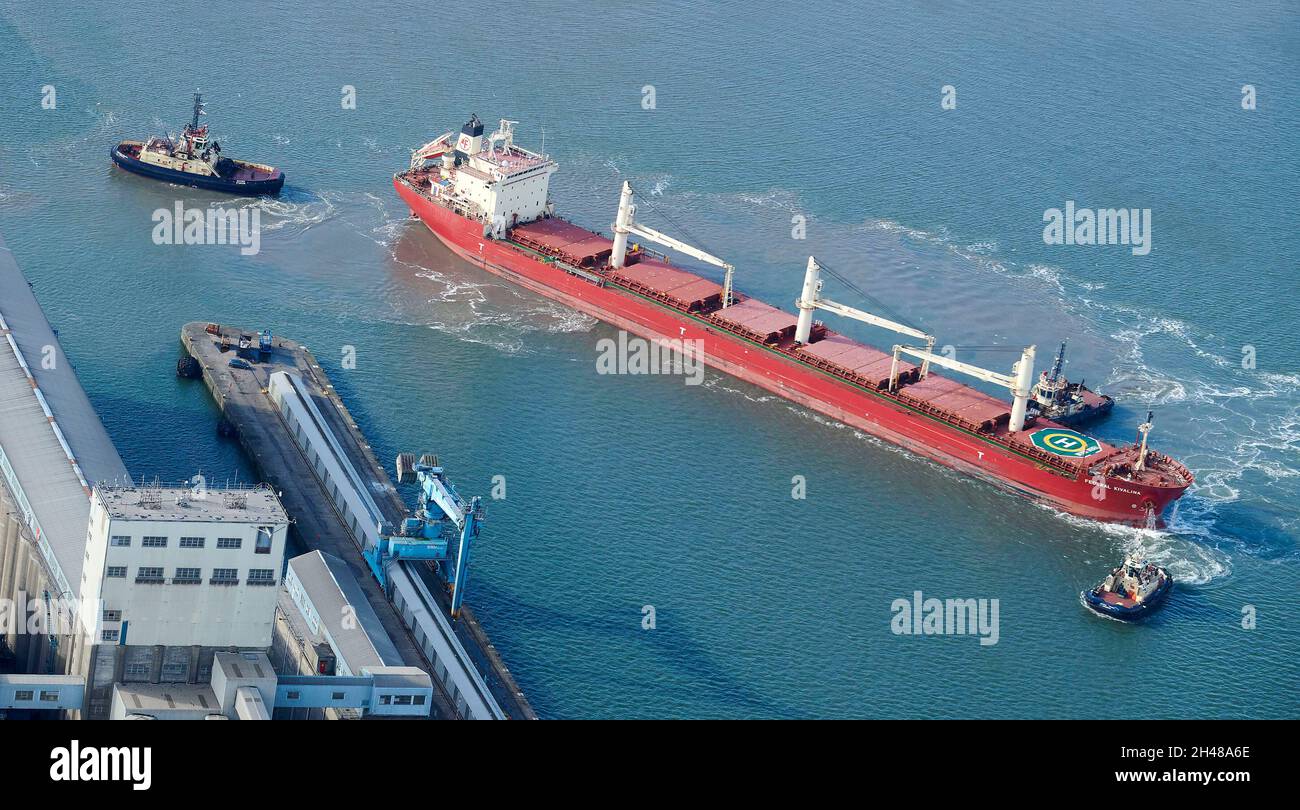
{"x":490,"y":179}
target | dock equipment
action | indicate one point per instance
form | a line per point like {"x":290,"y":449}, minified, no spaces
{"x":442,"y":516}
{"x":297,"y":430}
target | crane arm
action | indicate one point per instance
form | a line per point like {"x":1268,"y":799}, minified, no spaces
{"x":978,"y":373}
{"x":675,"y":244}
{"x":874,"y":320}
{"x":437,"y":491}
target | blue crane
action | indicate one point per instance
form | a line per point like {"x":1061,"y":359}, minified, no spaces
{"x":443,"y":518}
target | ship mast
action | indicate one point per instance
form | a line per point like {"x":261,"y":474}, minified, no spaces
{"x":1143,"y":430}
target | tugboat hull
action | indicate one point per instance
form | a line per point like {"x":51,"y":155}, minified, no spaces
{"x":1125,"y":609}
{"x":246,"y":186}
{"x":1095,"y":407}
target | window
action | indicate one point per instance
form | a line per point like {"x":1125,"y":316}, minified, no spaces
{"x":175,"y":673}
{"x":337,"y":696}
{"x":188,"y":575}
{"x":112,"y":615}
{"x":121,"y":542}
{"x":24,"y":694}
{"x":402,"y":700}
{"x":385,"y":700}
{"x":261,"y":576}
{"x":153,"y":542}
{"x":225,"y":576}
{"x":116,"y":571}
{"x":293,"y":695}
{"x":419,"y":700}
{"x":108,"y":635}
{"x":137,"y":670}
{"x":229,"y":542}
{"x":192,"y":542}
{"x":148,"y":573}
{"x":49,"y":697}
{"x":263,"y":540}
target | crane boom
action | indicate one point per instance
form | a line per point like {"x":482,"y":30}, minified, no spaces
{"x":625,"y":224}
{"x":675,"y":244}
{"x":874,"y":320}
{"x":978,"y":373}
{"x":812,"y":300}
{"x":1019,"y":382}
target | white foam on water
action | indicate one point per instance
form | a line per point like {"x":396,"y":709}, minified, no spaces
{"x":294,"y":211}
{"x":462,"y":309}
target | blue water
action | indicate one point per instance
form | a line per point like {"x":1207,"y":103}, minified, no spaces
{"x":624,"y":492}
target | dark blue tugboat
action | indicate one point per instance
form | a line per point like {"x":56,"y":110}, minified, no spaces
{"x":1066,"y":403}
{"x":191,"y":160}
{"x":1132,"y":591}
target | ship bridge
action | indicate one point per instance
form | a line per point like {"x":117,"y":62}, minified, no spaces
{"x":53,"y":449}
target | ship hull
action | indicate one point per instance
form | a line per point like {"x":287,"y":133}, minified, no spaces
{"x":857,"y":407}
{"x":270,"y":186}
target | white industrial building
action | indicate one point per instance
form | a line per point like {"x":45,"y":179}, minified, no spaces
{"x":133,"y":600}
{"x":171,"y":576}
{"x":171,"y":566}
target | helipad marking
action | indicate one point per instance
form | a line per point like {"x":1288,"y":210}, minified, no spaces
{"x":1064,"y":442}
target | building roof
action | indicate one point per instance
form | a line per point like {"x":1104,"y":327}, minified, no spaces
{"x":163,"y":697}
{"x":52,"y":439}
{"x":330,"y":587}
{"x":399,"y":677}
{"x":249,"y":505}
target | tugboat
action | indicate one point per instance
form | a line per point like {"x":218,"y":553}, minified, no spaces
{"x":1064,"y":402}
{"x":1133,"y":590}
{"x":193,"y":160}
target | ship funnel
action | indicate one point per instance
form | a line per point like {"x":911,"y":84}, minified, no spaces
{"x":807,"y":302}
{"x":470,"y":141}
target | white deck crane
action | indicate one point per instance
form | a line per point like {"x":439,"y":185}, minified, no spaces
{"x":811,"y":300}
{"x":1019,"y":382}
{"x":626,"y":224}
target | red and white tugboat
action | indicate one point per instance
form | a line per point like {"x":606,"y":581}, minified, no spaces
{"x":193,"y":160}
{"x":488,"y":200}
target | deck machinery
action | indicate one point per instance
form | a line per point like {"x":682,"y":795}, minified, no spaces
{"x":442,"y":530}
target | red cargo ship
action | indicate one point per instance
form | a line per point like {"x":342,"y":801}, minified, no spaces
{"x":487,"y":199}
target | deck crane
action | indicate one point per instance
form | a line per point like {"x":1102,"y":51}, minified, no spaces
{"x":812,"y":300}
{"x":626,"y":224}
{"x":1019,"y":382}
{"x":443,"y":517}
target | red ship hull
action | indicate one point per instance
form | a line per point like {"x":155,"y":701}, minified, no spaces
{"x":872,"y":414}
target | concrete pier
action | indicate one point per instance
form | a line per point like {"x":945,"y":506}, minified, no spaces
{"x":241,"y":395}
